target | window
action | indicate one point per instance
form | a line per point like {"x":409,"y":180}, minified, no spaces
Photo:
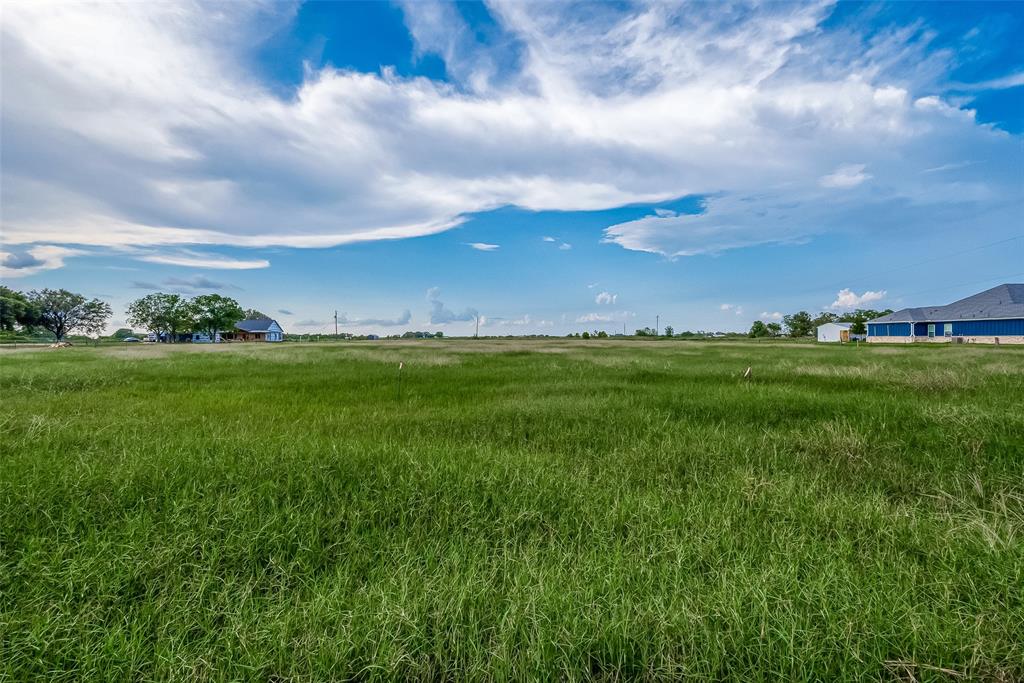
{"x":948,"y":330}
{"x":931,"y":329}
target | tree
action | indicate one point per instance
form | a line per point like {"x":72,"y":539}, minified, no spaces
{"x":212,"y":313}
{"x":669,"y":332}
{"x":161,"y":313}
{"x":645,"y":332}
{"x":123,"y":333}
{"x":602,"y":335}
{"x":799,"y":324}
{"x":758,"y":330}
{"x":439,"y":335}
{"x":586,"y":335}
{"x":16,"y":309}
{"x":253,"y":314}
{"x":858,"y":327}
{"x":823,"y":318}
{"x":774,"y":329}
{"x":61,"y":312}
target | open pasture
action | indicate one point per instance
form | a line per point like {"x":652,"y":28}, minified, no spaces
{"x":528,"y":510}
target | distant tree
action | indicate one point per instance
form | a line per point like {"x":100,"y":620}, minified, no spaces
{"x":212,"y":313}
{"x":16,"y":309}
{"x":253,"y":314}
{"x":645,"y":332}
{"x":163,"y":314}
{"x":669,"y":331}
{"x":758,"y":330}
{"x":123,"y":333}
{"x":823,"y":318}
{"x":774,"y":329}
{"x":586,"y":335}
{"x":602,"y":334}
{"x":799,"y":324}
{"x":438,"y":334}
{"x":61,"y":312}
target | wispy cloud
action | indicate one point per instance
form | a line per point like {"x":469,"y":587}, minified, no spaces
{"x":564,"y":246}
{"x":18,"y":261}
{"x":846,"y":176}
{"x":606,"y":298}
{"x":483,"y":246}
{"x":403,"y":319}
{"x":284,"y":311}
{"x":194,"y":259}
{"x":775,"y":315}
{"x":549,"y":239}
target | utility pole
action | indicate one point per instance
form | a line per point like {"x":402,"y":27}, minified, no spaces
{"x":657,"y":326}
{"x":335,"y":323}
{"x":476,"y":335}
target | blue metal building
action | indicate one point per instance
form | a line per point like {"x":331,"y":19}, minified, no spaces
{"x":993,"y":316}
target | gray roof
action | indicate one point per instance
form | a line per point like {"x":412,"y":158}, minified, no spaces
{"x":1002,"y":302}
{"x":256,"y":325}
{"x":837,"y":324}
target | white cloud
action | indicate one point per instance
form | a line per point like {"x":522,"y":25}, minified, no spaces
{"x":524,"y":321}
{"x":442,"y":315}
{"x":606,"y":298}
{"x":18,"y":262}
{"x":726,"y":307}
{"x":565,"y":246}
{"x":847,"y":300}
{"x":483,"y":246}
{"x":164,"y":135}
{"x":592,"y":285}
{"x":594,"y":318}
{"x":193,"y":259}
{"x":549,"y":239}
{"x":846,"y":176}
{"x":775,"y":315}
{"x":403,"y":319}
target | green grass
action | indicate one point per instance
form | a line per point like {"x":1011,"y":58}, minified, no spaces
{"x":527,"y":510}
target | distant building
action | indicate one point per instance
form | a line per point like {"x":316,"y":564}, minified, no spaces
{"x":837,"y":333}
{"x":995,"y":316}
{"x":372,"y":336}
{"x":260,"y":329}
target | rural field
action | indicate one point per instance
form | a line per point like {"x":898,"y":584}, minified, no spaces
{"x":522,"y":510}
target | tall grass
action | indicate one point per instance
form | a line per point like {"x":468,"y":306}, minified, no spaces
{"x":528,"y":511}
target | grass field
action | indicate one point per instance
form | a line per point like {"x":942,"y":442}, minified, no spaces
{"x":525,"y":510}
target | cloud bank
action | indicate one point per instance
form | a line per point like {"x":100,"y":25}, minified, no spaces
{"x":144,"y":124}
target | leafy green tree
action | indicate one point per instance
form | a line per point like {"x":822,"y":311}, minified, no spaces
{"x":858,"y":327}
{"x":758,"y":330}
{"x":586,"y":335}
{"x":212,"y":313}
{"x":799,"y":324}
{"x":774,"y":329}
{"x":123,"y":333}
{"x":823,"y":318}
{"x":161,"y":313}
{"x":253,"y":314}
{"x":669,"y":331}
{"x":61,"y":312}
{"x":645,"y":332}
{"x":438,"y":335}
{"x":16,"y":309}
{"x":602,"y":335}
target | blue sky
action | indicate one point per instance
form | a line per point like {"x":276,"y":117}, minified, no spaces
{"x":552,"y":167}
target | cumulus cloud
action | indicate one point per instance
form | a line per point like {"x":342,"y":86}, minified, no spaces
{"x":523,"y":321}
{"x":483,"y":246}
{"x":848,"y":300}
{"x":775,"y":315}
{"x":164,"y":135}
{"x":548,"y":239}
{"x":606,"y":298}
{"x":441,"y":314}
{"x":565,"y":246}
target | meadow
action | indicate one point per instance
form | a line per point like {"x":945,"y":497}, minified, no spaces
{"x":520,"y":510}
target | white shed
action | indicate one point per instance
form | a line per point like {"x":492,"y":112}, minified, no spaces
{"x":834,"y":332}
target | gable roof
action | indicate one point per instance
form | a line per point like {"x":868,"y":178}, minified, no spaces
{"x":837,"y":324}
{"x":256,"y":325}
{"x":1003,"y":301}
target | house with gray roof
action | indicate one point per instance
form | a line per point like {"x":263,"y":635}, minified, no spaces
{"x":995,"y":316}
{"x":258,"y":329}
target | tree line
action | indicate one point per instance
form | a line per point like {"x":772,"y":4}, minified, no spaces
{"x":56,"y":311}
{"x":803,"y":324}
{"x":61,"y":313}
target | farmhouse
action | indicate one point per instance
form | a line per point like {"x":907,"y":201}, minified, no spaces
{"x":260,"y":329}
{"x":995,"y":316}
{"x":837,"y":332}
